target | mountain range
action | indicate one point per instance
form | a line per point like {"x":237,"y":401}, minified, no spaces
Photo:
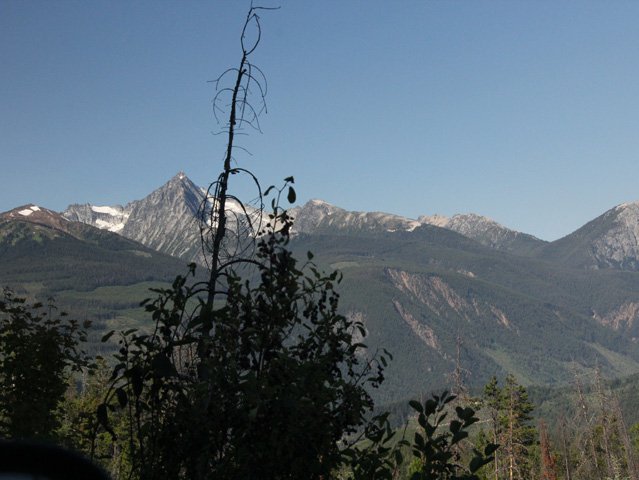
{"x":515,"y":303}
{"x":167,"y":220}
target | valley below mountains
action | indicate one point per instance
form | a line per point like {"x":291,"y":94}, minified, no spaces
{"x":423,"y":287}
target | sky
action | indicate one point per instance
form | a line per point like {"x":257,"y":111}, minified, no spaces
{"x":523,"y":111}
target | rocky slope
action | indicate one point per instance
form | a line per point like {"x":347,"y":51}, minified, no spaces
{"x":487,"y":232}
{"x":110,"y":218}
{"x":166,"y":220}
{"x":419,"y":290}
{"x":609,"y":241}
{"x":317,"y":216}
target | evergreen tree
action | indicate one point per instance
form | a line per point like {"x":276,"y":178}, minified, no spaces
{"x":509,"y":410}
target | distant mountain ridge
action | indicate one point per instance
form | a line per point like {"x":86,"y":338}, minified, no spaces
{"x":318,"y":216}
{"x":41,"y":245}
{"x":167,"y":220}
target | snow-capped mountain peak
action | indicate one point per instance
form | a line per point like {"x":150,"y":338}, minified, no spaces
{"x":32,"y":213}
{"x":112,"y":218}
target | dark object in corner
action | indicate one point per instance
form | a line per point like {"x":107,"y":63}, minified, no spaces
{"x":46,"y":462}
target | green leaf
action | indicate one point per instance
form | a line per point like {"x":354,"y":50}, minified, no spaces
{"x":459,"y":436}
{"x":430,"y":406}
{"x":103,"y":418}
{"x":116,"y":371}
{"x":291,"y":197}
{"x":122,"y":397}
{"x":107,"y":336}
{"x":490,"y":449}
{"x":476,"y":463}
{"x":415,"y":405}
{"x":162,"y":366}
{"x":429,"y":429}
{"x":289,"y":180}
{"x":455,"y":426}
{"x":135,"y":374}
{"x":399,"y":458}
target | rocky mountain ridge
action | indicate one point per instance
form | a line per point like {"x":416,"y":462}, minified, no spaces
{"x":609,"y":241}
{"x":167,"y":220}
{"x":37,"y":215}
{"x":111,"y":218}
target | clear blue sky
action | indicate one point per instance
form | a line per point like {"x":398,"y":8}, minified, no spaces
{"x":524,"y":111}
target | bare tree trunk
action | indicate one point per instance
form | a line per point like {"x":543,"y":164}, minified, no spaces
{"x":590,"y":441}
{"x":566,"y":453}
{"x":605,"y":420}
{"x":495,"y":438}
{"x":511,"y":440}
{"x":631,"y":462}
{"x":548,"y":467}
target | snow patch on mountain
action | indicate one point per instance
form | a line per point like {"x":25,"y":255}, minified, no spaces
{"x":113,"y":211}
{"x":112,"y":218}
{"x":25,"y":212}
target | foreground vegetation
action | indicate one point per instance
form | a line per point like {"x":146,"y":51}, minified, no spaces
{"x":53,"y":392}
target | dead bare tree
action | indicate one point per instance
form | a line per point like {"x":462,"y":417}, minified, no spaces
{"x":458,"y":376}
{"x":604,"y":421}
{"x":228,"y":226}
{"x":565,"y":450}
{"x":548,"y":464}
{"x":626,"y":443}
{"x":590,"y":462}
